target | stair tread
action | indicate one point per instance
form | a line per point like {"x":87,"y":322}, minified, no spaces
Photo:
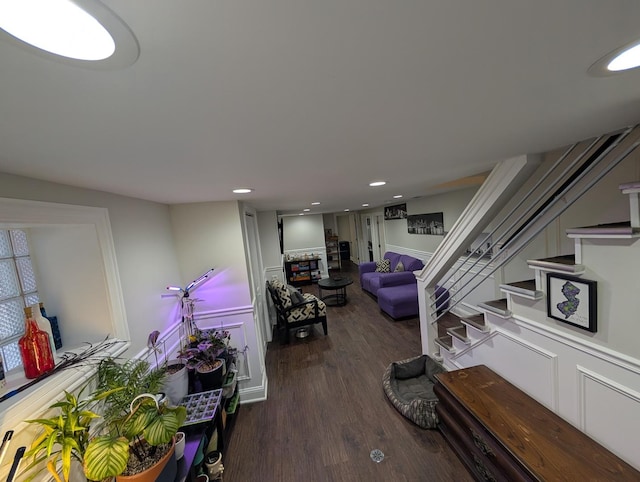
{"x":564,"y":263}
{"x":630,"y":186}
{"x":498,"y":307}
{"x":529,"y":284}
{"x":525,"y":288}
{"x":476,"y":321}
{"x":500,"y":304}
{"x":446,"y":342}
{"x":623,"y":227}
{"x":459,"y":332}
{"x":567,"y":259}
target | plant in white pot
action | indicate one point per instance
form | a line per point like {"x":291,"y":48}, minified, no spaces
{"x":176,"y":380}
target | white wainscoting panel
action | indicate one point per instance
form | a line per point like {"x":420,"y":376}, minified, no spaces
{"x":251,"y":369}
{"x":272,"y":272}
{"x":601,"y":401}
{"x":531,"y":368}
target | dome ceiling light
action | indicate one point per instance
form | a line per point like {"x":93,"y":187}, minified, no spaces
{"x":618,"y":61}
{"x":81,"y":32}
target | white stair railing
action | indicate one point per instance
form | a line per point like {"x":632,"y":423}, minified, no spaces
{"x":578,"y":176}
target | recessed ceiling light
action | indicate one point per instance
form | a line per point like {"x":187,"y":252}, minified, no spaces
{"x":80,"y":32}
{"x":306,"y":210}
{"x":365,"y":205}
{"x":316,"y":203}
{"x":242,"y":190}
{"x":377,"y":183}
{"x":301,"y":214}
{"x":397,"y":196}
{"x":346,"y":210}
{"x":618,"y":61}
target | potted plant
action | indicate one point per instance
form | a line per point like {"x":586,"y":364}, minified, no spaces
{"x":65,"y":436}
{"x":126,"y":380}
{"x":137,"y":430}
{"x":203,"y":354}
{"x":176,"y":381}
{"x":138,"y":444}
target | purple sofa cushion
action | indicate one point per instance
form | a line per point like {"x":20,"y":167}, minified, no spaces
{"x":399,"y":301}
{"x":402,"y":300}
{"x":410,"y":263}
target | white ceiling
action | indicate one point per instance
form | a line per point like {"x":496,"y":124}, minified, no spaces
{"x":311,"y":100}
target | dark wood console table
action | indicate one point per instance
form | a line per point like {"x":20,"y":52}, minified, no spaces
{"x":502,"y":434}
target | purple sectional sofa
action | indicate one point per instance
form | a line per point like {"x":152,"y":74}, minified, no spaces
{"x":397,"y":291}
{"x":372,"y":281}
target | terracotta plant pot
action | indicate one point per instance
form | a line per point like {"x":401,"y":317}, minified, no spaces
{"x":164,"y":471}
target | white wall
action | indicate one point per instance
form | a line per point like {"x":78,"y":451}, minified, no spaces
{"x":303,"y":232}
{"x":451,"y":204}
{"x":209,"y":235}
{"x":269,"y":240}
{"x":144,"y":247}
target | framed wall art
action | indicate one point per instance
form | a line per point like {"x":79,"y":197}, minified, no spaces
{"x":426,"y":223}
{"x":572,"y":300}
{"x":397,"y":211}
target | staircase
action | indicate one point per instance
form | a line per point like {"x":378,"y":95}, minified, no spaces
{"x":590,"y":379}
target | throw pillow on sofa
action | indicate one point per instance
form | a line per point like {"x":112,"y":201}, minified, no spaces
{"x":399,"y":267}
{"x":383,"y":266}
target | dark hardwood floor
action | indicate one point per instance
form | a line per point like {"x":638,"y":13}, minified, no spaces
{"x":326,"y":410}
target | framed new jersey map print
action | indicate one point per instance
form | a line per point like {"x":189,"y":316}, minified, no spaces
{"x":572,"y":300}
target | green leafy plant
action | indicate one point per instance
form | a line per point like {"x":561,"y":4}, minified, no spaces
{"x":65,"y":435}
{"x":135,"y":425}
{"x":137,"y":433}
{"x":131,"y":378}
{"x":204,"y":346}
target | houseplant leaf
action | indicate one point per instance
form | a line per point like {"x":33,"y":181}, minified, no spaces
{"x":106,"y":456}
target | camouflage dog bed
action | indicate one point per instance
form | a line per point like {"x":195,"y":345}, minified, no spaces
{"x":409,"y":386}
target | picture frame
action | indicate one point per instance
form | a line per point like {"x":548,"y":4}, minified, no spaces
{"x":432,"y":223}
{"x":572,"y":300}
{"x":397,"y":211}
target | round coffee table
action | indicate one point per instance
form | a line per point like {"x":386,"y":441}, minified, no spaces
{"x":336,"y":284}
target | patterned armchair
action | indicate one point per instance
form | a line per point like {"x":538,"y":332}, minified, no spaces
{"x":304,"y":311}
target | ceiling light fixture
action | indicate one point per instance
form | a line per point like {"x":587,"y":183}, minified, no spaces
{"x":306,"y":210}
{"x":316,"y":203}
{"x":620,"y":60}
{"x":84,"y":33}
{"x":365,"y":205}
{"x":377,"y":183}
{"x":242,"y":190}
{"x":397,"y":196}
{"x":346,"y":210}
